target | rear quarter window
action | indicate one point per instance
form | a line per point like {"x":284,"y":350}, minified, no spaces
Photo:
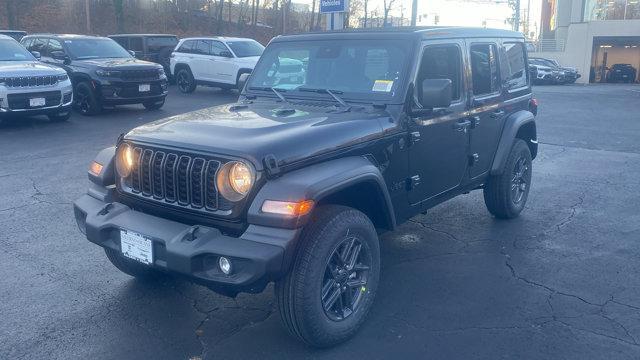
{"x":513,"y":66}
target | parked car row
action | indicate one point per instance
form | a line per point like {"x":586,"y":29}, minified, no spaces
{"x":547,"y":71}
{"x":103,"y":72}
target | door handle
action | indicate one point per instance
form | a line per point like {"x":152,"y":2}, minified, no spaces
{"x":461,"y":125}
{"x":497,"y":114}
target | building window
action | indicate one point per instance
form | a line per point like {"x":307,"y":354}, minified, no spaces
{"x":611,"y":10}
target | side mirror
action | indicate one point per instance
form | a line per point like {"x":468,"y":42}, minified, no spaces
{"x":226,"y":53}
{"x":436,"y":93}
{"x":60,"y":55}
{"x":133,"y":53}
{"x":242,"y":80}
{"x":36,"y":54}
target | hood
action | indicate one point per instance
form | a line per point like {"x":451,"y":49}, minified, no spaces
{"x":28,"y":68}
{"x":256,"y":130}
{"x":119,"y":64}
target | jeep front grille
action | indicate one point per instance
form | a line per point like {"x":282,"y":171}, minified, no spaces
{"x":179,"y":179}
{"x":20,"y":101}
{"x":29,"y":81}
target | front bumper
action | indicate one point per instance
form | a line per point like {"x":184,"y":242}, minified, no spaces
{"x":61,"y":104}
{"x":126,"y":92}
{"x":260,"y":255}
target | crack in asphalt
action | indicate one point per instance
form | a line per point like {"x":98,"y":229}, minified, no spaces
{"x":555,"y":318}
{"x":447,"y":234}
{"x":572,"y":215}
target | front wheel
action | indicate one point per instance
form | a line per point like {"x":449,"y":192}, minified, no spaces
{"x":185,"y":81}
{"x":326,"y":296}
{"x":506,"y":194}
{"x":85,"y":100}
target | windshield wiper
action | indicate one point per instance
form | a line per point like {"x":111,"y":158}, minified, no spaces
{"x":276,"y":91}
{"x":333,"y":94}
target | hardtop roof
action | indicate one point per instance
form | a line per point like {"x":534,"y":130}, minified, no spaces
{"x":420,"y":32}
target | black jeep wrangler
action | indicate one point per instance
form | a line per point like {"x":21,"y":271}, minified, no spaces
{"x":102,"y":72}
{"x":156,"y":48}
{"x":294,"y":183}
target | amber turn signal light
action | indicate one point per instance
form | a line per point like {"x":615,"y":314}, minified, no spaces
{"x":288,"y":208}
{"x":95,"y":168}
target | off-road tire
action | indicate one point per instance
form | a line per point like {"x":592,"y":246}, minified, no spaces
{"x":153,"y":105}
{"x":130,"y":267}
{"x":299,"y":293}
{"x":185,"y":81}
{"x":498,"y":195}
{"x":85,"y":100}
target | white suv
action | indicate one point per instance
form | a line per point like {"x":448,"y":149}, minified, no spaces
{"x":213,"y":61}
{"x":29,"y":87}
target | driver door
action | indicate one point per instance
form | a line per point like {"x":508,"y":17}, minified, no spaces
{"x":438,"y":157}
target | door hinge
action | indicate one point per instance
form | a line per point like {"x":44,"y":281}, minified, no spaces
{"x":473,"y":159}
{"x":475,"y":121}
{"x":271,"y":164}
{"x":413,"y":182}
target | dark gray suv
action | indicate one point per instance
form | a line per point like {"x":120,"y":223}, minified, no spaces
{"x":294,"y":183}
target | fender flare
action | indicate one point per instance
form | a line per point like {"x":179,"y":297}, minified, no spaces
{"x":510,"y":130}
{"x":316,"y":182}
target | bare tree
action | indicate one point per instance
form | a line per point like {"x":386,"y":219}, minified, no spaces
{"x":387,"y":7}
{"x":313,"y":15}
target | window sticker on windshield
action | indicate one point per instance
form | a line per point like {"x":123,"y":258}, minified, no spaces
{"x":383,"y":85}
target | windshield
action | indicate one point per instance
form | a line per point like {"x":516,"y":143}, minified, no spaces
{"x":10,"y":50}
{"x":246,"y":48}
{"x":95,"y":48}
{"x":356,"y":68}
{"x":155,"y":43}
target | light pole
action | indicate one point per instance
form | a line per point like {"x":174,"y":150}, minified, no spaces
{"x":414,"y":13}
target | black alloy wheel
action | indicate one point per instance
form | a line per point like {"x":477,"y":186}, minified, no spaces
{"x":345,"y":278}
{"x":85,"y":101}
{"x":185,"y":81}
{"x":520,"y":180}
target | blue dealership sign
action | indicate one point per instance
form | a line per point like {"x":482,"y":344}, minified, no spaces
{"x":332,"y":6}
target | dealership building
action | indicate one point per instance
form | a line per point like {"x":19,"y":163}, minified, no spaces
{"x":591,"y":35}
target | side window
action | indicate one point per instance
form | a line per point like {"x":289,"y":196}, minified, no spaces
{"x":122,"y":41}
{"x":39,"y":45}
{"x":203,"y":47}
{"x":135,"y":44}
{"x":54,"y":45}
{"x":186,"y":47}
{"x":513,"y":68}
{"x":442,"y":62}
{"x":217,"y":48}
{"x":484,"y":69}
{"x":27,"y":43}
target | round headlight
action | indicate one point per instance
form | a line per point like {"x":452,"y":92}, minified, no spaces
{"x":235,"y":180}
{"x":124,"y":160}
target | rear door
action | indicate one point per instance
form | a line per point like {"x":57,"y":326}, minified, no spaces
{"x":485,"y":111}
{"x":200,"y":62}
{"x":439,"y":141}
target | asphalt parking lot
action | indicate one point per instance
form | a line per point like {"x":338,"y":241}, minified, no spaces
{"x":560,"y":282}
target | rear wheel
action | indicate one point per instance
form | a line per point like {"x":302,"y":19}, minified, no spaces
{"x":506,"y":194}
{"x":130,"y":267}
{"x":328,"y":293}
{"x":185,"y":81}
{"x":85,"y":100}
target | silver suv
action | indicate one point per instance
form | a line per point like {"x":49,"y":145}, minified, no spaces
{"x":29,"y":87}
